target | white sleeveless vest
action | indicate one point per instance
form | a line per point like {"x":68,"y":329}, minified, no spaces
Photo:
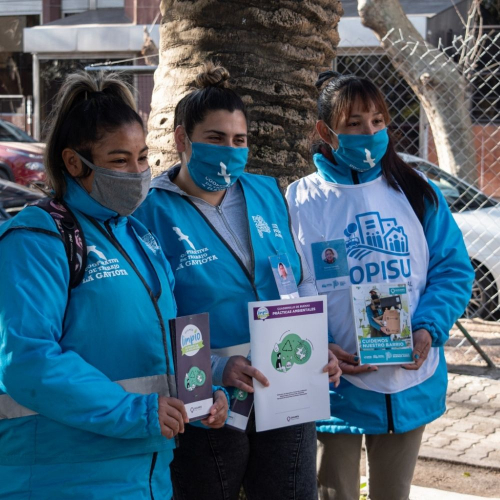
{"x":385,"y":242}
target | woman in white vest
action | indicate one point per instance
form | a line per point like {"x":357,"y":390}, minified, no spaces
{"x":218,"y":226}
{"x":360,"y":192}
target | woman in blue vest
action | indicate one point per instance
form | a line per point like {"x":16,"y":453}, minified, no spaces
{"x":86,"y":379}
{"x":218,"y":226}
{"x":361,"y":196}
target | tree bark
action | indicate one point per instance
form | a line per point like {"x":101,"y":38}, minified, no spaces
{"x":274,"y":51}
{"x":438,"y":83}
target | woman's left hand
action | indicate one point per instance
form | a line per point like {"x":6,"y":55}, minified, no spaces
{"x":218,"y":411}
{"x":422,"y":343}
{"x":333,"y":369}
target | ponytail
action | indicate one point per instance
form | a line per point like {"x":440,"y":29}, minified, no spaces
{"x":86,"y":107}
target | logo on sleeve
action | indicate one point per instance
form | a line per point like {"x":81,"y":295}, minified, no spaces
{"x":150,"y":241}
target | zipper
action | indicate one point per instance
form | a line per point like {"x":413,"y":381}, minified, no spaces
{"x":355,"y":177}
{"x":112,"y":238}
{"x":250,"y":276}
{"x":153,"y":464}
{"x":228,"y":227}
{"x":252,"y":254}
{"x":390,"y":421}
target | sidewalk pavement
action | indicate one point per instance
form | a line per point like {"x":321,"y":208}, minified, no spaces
{"x":420,"y":493}
{"x":469,"y":431}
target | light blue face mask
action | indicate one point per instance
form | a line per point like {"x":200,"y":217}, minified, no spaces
{"x":360,"y":152}
{"x":214,"y":168}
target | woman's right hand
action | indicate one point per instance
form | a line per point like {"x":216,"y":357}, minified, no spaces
{"x":239,"y":373}
{"x":349,"y":363}
{"x":172,"y":415}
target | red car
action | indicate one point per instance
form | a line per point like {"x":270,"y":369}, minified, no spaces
{"x":21,"y":157}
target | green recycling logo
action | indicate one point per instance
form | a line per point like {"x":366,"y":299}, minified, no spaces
{"x":291,"y":350}
{"x":194,"y":378}
{"x":240,"y":394}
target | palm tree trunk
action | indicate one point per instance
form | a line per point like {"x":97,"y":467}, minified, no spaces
{"x":273,"y":50}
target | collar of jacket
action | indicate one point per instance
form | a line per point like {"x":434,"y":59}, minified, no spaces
{"x":331,"y":172}
{"x":77,"y":197}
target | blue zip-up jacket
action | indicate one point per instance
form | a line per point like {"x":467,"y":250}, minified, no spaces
{"x":62,"y":352}
{"x":446,"y":294}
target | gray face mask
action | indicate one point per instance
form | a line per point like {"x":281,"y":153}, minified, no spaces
{"x":121,"y":192}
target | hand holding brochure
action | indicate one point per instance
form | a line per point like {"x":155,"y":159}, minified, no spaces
{"x":382,"y":322}
{"x":193,"y":373}
{"x":289,"y":344}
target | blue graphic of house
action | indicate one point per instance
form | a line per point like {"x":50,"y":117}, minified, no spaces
{"x":371,"y":233}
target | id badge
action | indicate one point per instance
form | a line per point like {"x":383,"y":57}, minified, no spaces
{"x":283,"y":275}
{"x":330,"y":265}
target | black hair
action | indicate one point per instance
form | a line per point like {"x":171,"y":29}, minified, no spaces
{"x":335,"y":104}
{"x":86,"y":107}
{"x":211,"y":93}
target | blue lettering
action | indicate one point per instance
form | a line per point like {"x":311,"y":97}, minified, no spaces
{"x":372,"y":270}
{"x":406,"y":274}
{"x":358,"y":269}
{"x":384,"y":271}
{"x":191,"y":339}
{"x":392,"y":265}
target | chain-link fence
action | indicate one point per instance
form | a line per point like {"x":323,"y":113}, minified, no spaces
{"x":476,"y":210}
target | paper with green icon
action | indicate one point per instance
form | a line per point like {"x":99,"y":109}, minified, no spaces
{"x":291,"y":350}
{"x":289,"y":345}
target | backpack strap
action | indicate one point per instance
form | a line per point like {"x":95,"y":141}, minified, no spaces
{"x":71,"y":234}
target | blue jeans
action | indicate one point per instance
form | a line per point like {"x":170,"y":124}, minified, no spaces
{"x":213,"y":464}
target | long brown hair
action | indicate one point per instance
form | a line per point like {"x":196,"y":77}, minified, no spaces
{"x":335,"y":104}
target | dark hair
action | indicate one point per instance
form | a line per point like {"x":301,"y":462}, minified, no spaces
{"x":335,"y":104}
{"x":86,"y":107}
{"x":211,"y":93}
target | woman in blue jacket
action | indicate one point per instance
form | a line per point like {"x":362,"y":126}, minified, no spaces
{"x":392,"y":225}
{"x":218,"y":226}
{"x":86,"y":378}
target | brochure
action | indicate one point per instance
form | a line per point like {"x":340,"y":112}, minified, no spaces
{"x":382,"y":322}
{"x":193,"y":374}
{"x":289,"y":344}
{"x":240,"y":409}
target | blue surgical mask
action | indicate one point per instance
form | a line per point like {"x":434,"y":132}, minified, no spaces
{"x":360,"y":152}
{"x":214,"y":168}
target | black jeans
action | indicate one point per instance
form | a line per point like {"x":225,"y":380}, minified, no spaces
{"x":273,"y":465}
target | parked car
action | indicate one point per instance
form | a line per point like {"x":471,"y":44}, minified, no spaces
{"x":21,"y":157}
{"x":14,"y":198}
{"x":478,"y":217}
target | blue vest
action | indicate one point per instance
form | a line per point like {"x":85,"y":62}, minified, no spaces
{"x":116,"y":324}
{"x":208,"y":274}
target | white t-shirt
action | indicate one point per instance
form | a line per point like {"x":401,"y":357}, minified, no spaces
{"x":385,"y":242}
